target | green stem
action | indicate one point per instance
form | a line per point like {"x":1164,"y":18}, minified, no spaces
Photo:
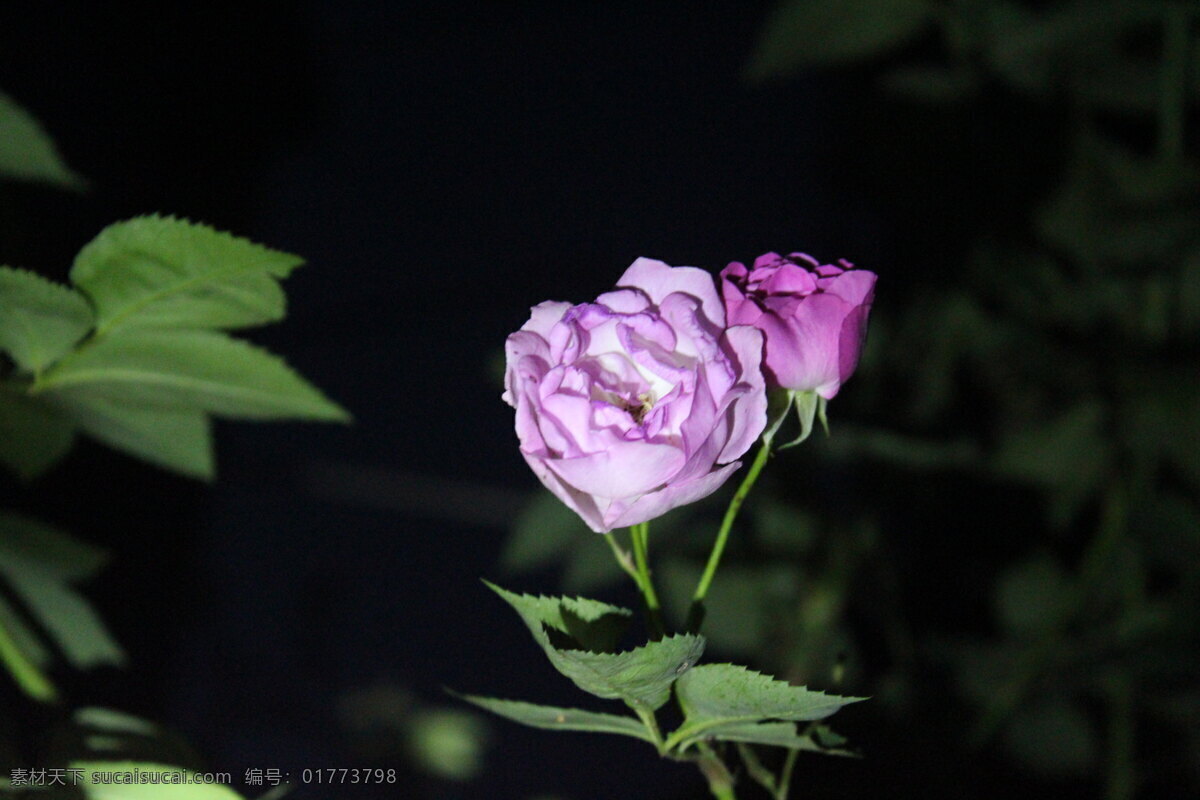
{"x":639,"y":536}
{"x":785,"y":775}
{"x":696,"y":613}
{"x":23,"y":670}
{"x":720,"y":781}
{"x":623,"y":559}
{"x":651,"y":722}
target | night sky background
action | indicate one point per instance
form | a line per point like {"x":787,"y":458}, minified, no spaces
{"x":441,"y":169}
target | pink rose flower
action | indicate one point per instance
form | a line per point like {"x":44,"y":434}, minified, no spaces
{"x":813,"y":315}
{"x":639,"y":402}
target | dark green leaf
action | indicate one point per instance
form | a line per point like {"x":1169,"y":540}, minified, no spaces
{"x":34,"y":434}
{"x":802,"y":33}
{"x":27,"y":153}
{"x":719,"y":696}
{"x":39,"y":320}
{"x":561,"y":719}
{"x":40,"y":563}
{"x":167,"y":272}
{"x":641,"y":677}
{"x":176,"y":439}
{"x":189,"y":369}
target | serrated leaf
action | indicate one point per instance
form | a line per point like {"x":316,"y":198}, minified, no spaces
{"x":802,"y":33}
{"x":561,"y":719}
{"x":641,"y":677}
{"x":589,"y":624}
{"x":40,"y":563}
{"x":27,"y":153}
{"x":176,"y":439}
{"x":717,"y":696}
{"x":34,"y":434}
{"x":778,"y":734}
{"x":39,"y":319}
{"x":190,"y":369}
{"x":167,"y":272}
{"x":153,"y":782}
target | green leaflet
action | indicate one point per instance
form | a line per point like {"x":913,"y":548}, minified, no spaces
{"x":561,"y":719}
{"x":717,"y":697}
{"x":802,"y":33}
{"x":34,"y":435}
{"x":148,"y":782}
{"x":40,"y":564}
{"x":112,"y":721}
{"x":176,"y":439}
{"x":641,"y":677}
{"x":27,"y":153}
{"x":39,"y":320}
{"x":783,"y":734}
{"x":167,"y":272}
{"x":22,"y":654}
{"x":189,"y":369}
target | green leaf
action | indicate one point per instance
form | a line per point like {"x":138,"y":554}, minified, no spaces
{"x":190,"y":369}
{"x":107,"y":719}
{"x":39,"y":319}
{"x":23,"y":655}
{"x":27,"y":152}
{"x":40,"y":563}
{"x":715,"y":697}
{"x":779,"y":734}
{"x":586,"y":624}
{"x":34,"y":435}
{"x":176,"y":439}
{"x":561,"y":719}
{"x":147,"y":781}
{"x":641,"y":677}
{"x":168,"y":272}
{"x":802,"y":33}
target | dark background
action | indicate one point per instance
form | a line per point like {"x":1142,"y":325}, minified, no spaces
{"x":441,"y":169}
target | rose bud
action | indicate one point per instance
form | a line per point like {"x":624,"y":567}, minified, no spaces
{"x":813,"y":315}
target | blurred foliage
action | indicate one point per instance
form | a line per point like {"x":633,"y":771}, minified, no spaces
{"x":1006,"y":514}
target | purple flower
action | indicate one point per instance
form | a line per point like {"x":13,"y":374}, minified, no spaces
{"x":813,"y":315}
{"x":639,"y":402}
